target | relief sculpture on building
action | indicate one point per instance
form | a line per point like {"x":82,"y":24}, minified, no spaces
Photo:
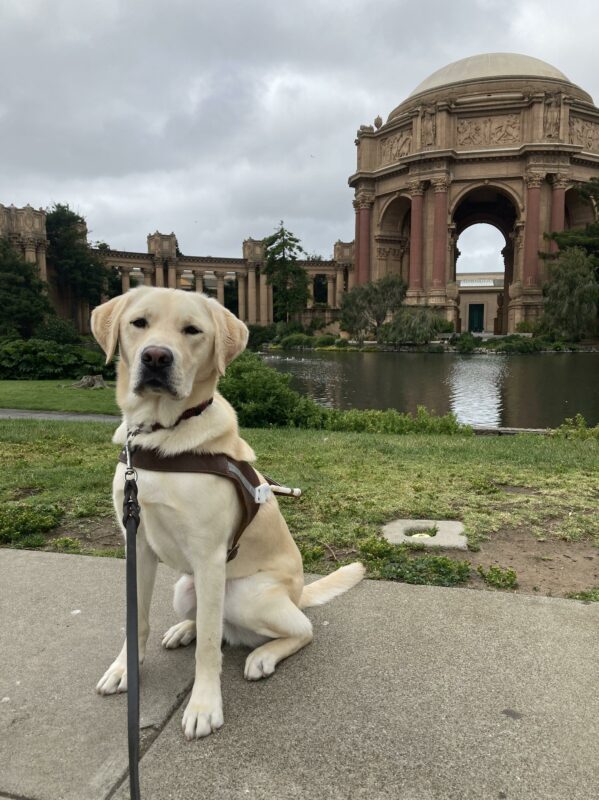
{"x":551,"y":116}
{"x":481,"y":131}
{"x":585,"y":133}
{"x":396,"y":146}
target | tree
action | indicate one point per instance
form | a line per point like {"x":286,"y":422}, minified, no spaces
{"x":79,"y":269}
{"x":288,"y":278}
{"x":416,"y":325}
{"x":22,"y":299}
{"x":587,"y":237}
{"x":365,"y":308}
{"x":571,"y":294}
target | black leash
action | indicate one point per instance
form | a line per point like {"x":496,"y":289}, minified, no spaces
{"x":131,"y":522}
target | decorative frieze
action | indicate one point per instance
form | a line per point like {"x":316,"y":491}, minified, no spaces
{"x":396,"y":146}
{"x":485,"y":131}
{"x":584,"y":132}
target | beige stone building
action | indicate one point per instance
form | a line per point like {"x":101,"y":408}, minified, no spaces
{"x":497,"y":138}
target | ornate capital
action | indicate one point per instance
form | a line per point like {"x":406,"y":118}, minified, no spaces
{"x":534,"y":179}
{"x":440,"y":183}
{"x":415,"y":187}
{"x":363,"y":199}
{"x":561,"y":181}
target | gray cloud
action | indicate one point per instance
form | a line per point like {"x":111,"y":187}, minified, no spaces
{"x":216,"y":122}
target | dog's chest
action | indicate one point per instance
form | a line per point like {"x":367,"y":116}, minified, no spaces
{"x":185,"y":517}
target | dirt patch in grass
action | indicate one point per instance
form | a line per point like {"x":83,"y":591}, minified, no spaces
{"x":552,"y":567}
{"x":96,"y":534}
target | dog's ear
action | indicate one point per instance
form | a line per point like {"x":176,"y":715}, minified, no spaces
{"x":105,"y":323}
{"x":231,"y":335}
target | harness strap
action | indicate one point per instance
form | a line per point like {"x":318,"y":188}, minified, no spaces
{"x":243,"y":476}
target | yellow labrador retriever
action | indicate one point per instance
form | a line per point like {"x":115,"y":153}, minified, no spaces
{"x":173,"y":347}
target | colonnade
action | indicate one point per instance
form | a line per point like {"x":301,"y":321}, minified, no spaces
{"x":254,"y":294}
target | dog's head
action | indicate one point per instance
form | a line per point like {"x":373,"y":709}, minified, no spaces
{"x":169,"y":340}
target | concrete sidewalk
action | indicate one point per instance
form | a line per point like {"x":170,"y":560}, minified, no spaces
{"x":415,"y":693}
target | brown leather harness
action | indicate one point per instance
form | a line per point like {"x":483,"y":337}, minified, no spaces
{"x":244,"y":477}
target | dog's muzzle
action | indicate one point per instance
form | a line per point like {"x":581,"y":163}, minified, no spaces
{"x":156,"y":369}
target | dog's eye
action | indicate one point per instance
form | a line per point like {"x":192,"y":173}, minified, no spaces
{"x":191,"y":330}
{"x":140,"y":323}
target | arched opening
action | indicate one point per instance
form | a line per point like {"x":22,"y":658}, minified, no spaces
{"x":484,"y":222}
{"x":392,"y":257}
{"x":480,"y":276}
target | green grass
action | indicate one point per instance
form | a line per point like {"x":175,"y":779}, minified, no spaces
{"x":56,"y":396}
{"x":590,"y":596}
{"x":352,"y":482}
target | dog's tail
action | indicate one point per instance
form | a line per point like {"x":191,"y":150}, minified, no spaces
{"x":338,"y":582}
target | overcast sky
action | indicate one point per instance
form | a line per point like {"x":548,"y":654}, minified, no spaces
{"x":216,"y":120}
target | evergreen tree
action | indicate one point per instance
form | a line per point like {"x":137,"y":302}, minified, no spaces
{"x":288,"y":278}
{"x":416,"y":325}
{"x":79,"y":269}
{"x":23,"y":301}
{"x":365,"y":308}
{"x":571,"y":294}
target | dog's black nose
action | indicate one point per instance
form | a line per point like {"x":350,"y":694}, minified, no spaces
{"x":157,"y":357}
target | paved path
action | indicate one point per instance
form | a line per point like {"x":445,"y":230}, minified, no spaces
{"x":407,"y":692}
{"x":18,"y":413}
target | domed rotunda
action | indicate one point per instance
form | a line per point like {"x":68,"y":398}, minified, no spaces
{"x":498,"y":138}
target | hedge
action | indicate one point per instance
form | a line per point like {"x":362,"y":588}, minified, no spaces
{"x":39,"y":359}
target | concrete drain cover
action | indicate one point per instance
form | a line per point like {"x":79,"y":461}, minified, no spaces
{"x":450,"y":533}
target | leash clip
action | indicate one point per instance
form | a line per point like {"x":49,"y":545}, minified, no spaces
{"x":262,"y":493}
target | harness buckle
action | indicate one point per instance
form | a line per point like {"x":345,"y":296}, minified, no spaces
{"x":262,"y":493}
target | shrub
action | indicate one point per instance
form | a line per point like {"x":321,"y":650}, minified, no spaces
{"x":56,"y":329}
{"x":466,"y":343}
{"x":576,"y":428}
{"x":259,"y":335}
{"x":341,"y":343}
{"x":37,"y":359}
{"x":327,"y":340}
{"x":23,"y":526}
{"x":297,"y":341}
{"x":525,"y":326}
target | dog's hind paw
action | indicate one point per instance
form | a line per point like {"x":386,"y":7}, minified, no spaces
{"x":180,"y":635}
{"x":114,"y":680}
{"x":259,"y":665}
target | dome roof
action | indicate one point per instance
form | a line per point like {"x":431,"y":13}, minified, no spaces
{"x":489,"y":65}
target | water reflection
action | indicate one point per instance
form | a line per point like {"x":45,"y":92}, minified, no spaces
{"x":524,"y":391}
{"x":475,"y":389}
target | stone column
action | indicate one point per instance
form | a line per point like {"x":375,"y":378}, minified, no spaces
{"x":310,"y":302}
{"x":252,"y":294}
{"x":351,"y":278}
{"x":416,"y":189}
{"x":271,"y":311}
{"x":263,"y":299}
{"x":147,"y":276}
{"x":558,"y":207}
{"x":365,"y":203}
{"x":172,"y":276}
{"x":199,"y":280}
{"x":125,"y":279}
{"x":158,"y":273}
{"x":30,"y":251}
{"x":339,"y":286}
{"x":330,"y":291}
{"x":440,"y":187}
{"x":241,"y":295}
{"x":530,"y":279}
{"x":41,"y":262}
{"x":220,"y":287}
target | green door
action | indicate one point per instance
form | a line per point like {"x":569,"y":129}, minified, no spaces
{"x":476,"y":317}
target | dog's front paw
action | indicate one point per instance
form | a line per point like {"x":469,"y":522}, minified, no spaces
{"x":202,"y":718}
{"x":114,"y":679}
